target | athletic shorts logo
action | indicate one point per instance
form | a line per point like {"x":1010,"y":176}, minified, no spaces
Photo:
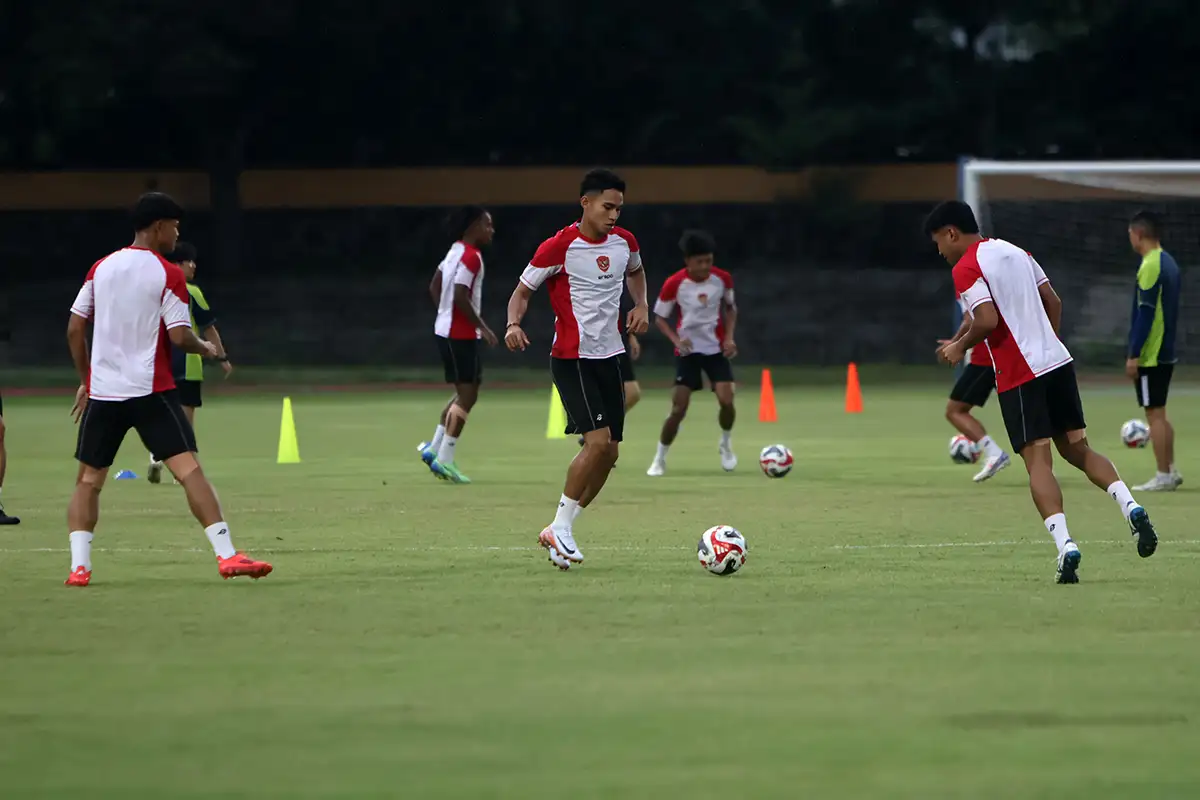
{"x":603,"y":263}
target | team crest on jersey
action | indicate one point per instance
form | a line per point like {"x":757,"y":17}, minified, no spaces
{"x":703,"y":298}
{"x":603,"y":263}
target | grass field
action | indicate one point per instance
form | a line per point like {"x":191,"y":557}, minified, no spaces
{"x":896,"y":632}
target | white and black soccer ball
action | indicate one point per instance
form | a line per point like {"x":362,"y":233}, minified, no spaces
{"x":963,"y":450}
{"x":776,"y":460}
{"x":1135,"y":433}
{"x":722,"y":550}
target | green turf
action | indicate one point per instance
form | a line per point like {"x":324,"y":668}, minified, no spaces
{"x":895,"y":633}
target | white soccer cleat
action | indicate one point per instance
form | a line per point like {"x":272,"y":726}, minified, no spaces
{"x":728,"y":459}
{"x":154,"y":471}
{"x":1068,"y":564}
{"x":657,"y":469}
{"x":561,"y":541}
{"x":993,"y":465}
{"x":1160,"y":483}
{"x":558,"y":560}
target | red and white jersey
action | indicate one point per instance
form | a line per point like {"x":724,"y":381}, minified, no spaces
{"x":979,"y":354}
{"x":132,"y":297}
{"x":585,"y":279}
{"x":699,"y":304}
{"x":1024,"y":344}
{"x":462,"y":266}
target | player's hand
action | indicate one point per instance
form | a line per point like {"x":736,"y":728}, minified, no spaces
{"x":684,"y":346}
{"x":488,"y":336}
{"x":210,"y":349}
{"x":950,"y":353}
{"x":639,"y":320}
{"x":635,"y":348}
{"x":81,"y":397}
{"x":227,"y":367}
{"x":729,"y":348}
{"x":515,"y":338}
{"x":1131,"y":368}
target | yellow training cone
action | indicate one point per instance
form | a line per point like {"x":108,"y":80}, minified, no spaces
{"x":289,"y":448}
{"x":556,"y":425}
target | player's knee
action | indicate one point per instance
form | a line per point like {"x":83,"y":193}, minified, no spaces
{"x":90,"y":479}
{"x":458,"y":411}
{"x":467,"y":397}
{"x":183,"y":466}
{"x":2,"y":429}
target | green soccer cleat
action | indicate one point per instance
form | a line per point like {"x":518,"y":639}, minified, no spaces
{"x":448,"y":472}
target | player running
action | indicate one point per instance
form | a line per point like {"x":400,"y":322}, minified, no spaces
{"x":972,"y":390}
{"x":5,"y":519}
{"x":188,"y":368}
{"x":1016,"y":311}
{"x":703,"y":339}
{"x":457,"y":290}
{"x":583,"y":267}
{"x":138,"y":302}
{"x":1152,"y":343}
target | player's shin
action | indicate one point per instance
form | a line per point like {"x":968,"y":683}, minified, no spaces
{"x":1043,"y":486}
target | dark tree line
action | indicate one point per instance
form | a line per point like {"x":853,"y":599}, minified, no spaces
{"x":223,"y":85}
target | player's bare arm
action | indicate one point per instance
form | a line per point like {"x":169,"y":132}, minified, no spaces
{"x":984,"y":319}
{"x":728,"y":346}
{"x":462,"y":302}
{"x":961,"y":332}
{"x":518,"y":304}
{"x":211,"y":334}
{"x":186,"y":340}
{"x":1052,"y":303}
{"x":638,"y":321}
{"x":684,"y":346}
{"x":78,"y":344}
{"x":635,"y":347}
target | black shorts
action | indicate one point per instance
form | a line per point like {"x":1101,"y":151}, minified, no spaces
{"x":189,"y":392}
{"x":688,"y":370}
{"x":158,"y":418}
{"x":626,"y":364}
{"x":460,"y":359}
{"x":1153,"y":384}
{"x":592,"y":392}
{"x":975,"y":385}
{"x":1043,"y":408}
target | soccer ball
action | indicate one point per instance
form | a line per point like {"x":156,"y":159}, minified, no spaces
{"x":722,"y":550}
{"x":1135,"y":433}
{"x":963,"y":450}
{"x":776,"y":461}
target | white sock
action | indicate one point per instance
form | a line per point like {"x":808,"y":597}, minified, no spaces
{"x":438,"y":433}
{"x":725,"y":437}
{"x":661,"y":455}
{"x":1162,"y":476}
{"x":575,"y":513}
{"x":989,"y":447}
{"x":1057,"y":525}
{"x":81,"y":550}
{"x":567,"y":510}
{"x":222,"y":544}
{"x":1173,"y":470}
{"x":1120,"y":492}
{"x":445,"y":453}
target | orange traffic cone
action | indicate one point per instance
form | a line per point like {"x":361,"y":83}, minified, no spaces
{"x":854,"y":403}
{"x":766,"y":400}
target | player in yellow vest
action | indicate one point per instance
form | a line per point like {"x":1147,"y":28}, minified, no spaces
{"x":188,"y":368}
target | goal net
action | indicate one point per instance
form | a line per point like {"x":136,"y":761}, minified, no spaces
{"x":1074,"y":218}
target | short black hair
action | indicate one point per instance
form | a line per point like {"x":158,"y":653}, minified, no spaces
{"x":184,"y":251}
{"x":153,"y":206}
{"x":1150,"y":222}
{"x":697,"y":243}
{"x":462,"y":218}
{"x":599,"y":180}
{"x":951,"y":212}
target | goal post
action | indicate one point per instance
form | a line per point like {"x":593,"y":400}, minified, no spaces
{"x":1074,"y":217}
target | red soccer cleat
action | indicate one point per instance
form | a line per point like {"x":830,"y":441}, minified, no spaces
{"x":240,"y":564}
{"x":80,"y":577}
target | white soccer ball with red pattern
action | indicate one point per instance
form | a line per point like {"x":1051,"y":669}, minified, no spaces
{"x":963,"y":450}
{"x":776,"y":460}
{"x":722,"y":550}
{"x":1135,"y":433}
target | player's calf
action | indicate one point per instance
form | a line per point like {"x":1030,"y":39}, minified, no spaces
{"x":725,"y":419}
{"x":670,"y":429}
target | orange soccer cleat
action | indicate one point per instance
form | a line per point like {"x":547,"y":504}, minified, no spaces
{"x":81,"y":576}
{"x":240,"y":564}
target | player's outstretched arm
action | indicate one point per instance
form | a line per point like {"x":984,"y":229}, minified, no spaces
{"x":518,"y":304}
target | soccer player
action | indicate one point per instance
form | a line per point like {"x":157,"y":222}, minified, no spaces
{"x":1152,"y":343}
{"x":137,"y":302}
{"x":583,"y":267}
{"x":1016,"y":311}
{"x":5,"y":519}
{"x":457,"y":291}
{"x":972,"y":390}
{"x":188,"y":368}
{"x":703,"y":339}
